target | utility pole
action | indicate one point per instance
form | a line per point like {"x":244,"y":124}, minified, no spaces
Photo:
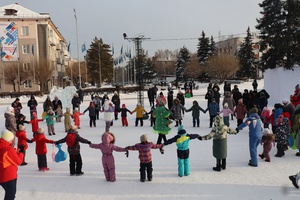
{"x":138,"y":51}
{"x":79,"y":72}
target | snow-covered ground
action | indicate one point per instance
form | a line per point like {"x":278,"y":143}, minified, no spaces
{"x":238,"y":181}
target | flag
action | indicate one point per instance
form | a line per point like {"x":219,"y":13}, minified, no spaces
{"x":83,"y":48}
{"x":32,"y":49}
{"x":69,"y":45}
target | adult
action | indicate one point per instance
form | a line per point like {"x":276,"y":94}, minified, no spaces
{"x":80,"y":94}
{"x":150,"y":96}
{"x":209,"y":96}
{"x":236,"y":94}
{"x":295,"y":98}
{"x":104,"y":98}
{"x":181,"y":97}
{"x":254,"y":85}
{"x":255,"y":134}
{"x":98,"y":105}
{"x":56,"y":102}
{"x":161,"y":97}
{"x":76,"y":102}
{"x":217,"y":95}
{"x":290,"y":108}
{"x":10,"y":159}
{"x":17,"y":107}
{"x":47,"y":105}
{"x":10,"y":120}
{"x":170,"y":99}
{"x":155,"y":89}
{"x":227,"y":87}
{"x":32,"y":104}
{"x":116,"y":101}
{"x":246,"y":99}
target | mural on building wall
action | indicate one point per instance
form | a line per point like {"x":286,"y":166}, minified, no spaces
{"x":9,"y":41}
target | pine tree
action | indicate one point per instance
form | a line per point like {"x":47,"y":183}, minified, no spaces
{"x":203,"y":50}
{"x":92,"y":58}
{"x":246,"y":57}
{"x":212,"y":47}
{"x":148,"y":71}
{"x":273,"y":34}
{"x":182,"y":59}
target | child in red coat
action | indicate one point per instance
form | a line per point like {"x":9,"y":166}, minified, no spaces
{"x":41,"y":149}
{"x":22,"y":140}
{"x":35,"y":123}
{"x":76,"y":117}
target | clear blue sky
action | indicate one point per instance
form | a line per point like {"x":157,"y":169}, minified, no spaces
{"x":160,"y":20}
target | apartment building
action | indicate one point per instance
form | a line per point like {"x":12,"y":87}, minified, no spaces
{"x":32,"y":49}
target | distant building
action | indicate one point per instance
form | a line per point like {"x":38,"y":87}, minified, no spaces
{"x":29,"y":39}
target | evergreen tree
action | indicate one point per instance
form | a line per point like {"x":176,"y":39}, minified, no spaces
{"x":203,"y":50}
{"x":182,"y":60}
{"x":246,"y":57}
{"x":97,"y":48}
{"x":148,"y":71}
{"x":212,"y":47}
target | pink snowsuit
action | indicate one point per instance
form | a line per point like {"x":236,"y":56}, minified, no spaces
{"x":108,"y":161}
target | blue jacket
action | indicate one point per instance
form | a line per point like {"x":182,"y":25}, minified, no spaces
{"x":255,"y":125}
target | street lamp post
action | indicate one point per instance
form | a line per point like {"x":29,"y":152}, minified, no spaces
{"x":79,"y":73}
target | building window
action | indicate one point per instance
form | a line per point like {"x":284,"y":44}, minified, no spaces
{"x":26,"y":67}
{"x":24,"y":30}
{"x":25,"y":49}
{"x":28,"y":84}
{"x":51,"y":33}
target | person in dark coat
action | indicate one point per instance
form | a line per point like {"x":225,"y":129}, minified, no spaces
{"x":170,"y":99}
{"x":47,"y":105}
{"x":80,"y":94}
{"x":254,"y":84}
{"x":76,"y":102}
{"x":181,"y":98}
{"x":151,"y":96}
{"x":116,"y":101}
{"x":17,"y":106}
{"x":217,"y":95}
{"x":209,"y":96}
{"x":236,"y":94}
{"x":32,"y":104}
{"x":246,"y":99}
{"x":55,"y":104}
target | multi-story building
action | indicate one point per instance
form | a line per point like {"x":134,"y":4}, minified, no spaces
{"x":32,"y":44}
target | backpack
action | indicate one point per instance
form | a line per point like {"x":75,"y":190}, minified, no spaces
{"x":71,"y":139}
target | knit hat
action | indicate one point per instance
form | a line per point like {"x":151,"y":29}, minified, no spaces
{"x":22,"y":128}
{"x":253,"y":110}
{"x":144,"y":138}
{"x":7,"y":135}
{"x":225,"y":105}
{"x":123,"y":105}
{"x":9,"y":109}
{"x":73,"y":127}
{"x":41,"y":131}
{"x":181,"y":130}
{"x":17,"y":99}
{"x":285,"y":101}
{"x":266,"y":131}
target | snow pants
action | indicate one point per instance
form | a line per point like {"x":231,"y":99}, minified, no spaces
{"x":10,"y":188}
{"x":183,"y":162}
{"x":253,"y":143}
{"x":108,"y":163}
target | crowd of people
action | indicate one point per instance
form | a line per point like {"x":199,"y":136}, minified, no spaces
{"x":267,"y":126}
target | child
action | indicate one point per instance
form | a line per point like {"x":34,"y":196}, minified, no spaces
{"x":240,"y":111}
{"x":59,"y":113}
{"x":182,"y":140}
{"x":72,"y":139}
{"x":41,"y":149}
{"x":76,"y":117}
{"x":139,"y":114}
{"x":22,"y":140}
{"x":124,"y":111}
{"x":21,"y":120}
{"x":177,"y":110}
{"x":152,"y":118}
{"x":109,"y":110}
{"x":67,"y":120}
{"x":35,"y":123}
{"x":195,"y":113}
{"x":50,"y":119}
{"x":282,"y":134}
{"x":92,"y":113}
{"x":213,"y":108}
{"x":226,"y":111}
{"x":107,"y":147}
{"x":267,"y":140}
{"x":145,"y":157}
{"x":219,"y":134}
{"x":295,"y":178}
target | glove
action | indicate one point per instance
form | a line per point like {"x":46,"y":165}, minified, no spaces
{"x":29,"y":141}
{"x":89,"y":142}
{"x":237,"y":130}
{"x":162,"y":151}
{"x":21,"y":149}
{"x":200,"y":138}
{"x":127,"y":153}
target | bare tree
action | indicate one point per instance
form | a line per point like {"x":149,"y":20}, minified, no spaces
{"x":43,"y":74}
{"x":75,"y":73}
{"x":221,"y":67}
{"x":12,"y":71}
{"x":193,"y":70}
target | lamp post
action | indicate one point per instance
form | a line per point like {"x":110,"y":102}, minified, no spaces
{"x":138,"y":48}
{"x":99,"y":53}
{"x":2,"y":65}
{"x":79,"y":73}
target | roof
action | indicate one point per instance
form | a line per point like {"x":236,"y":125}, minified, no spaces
{"x":21,"y":12}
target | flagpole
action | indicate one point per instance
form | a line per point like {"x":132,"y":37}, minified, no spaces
{"x":33,"y":63}
{"x":99,"y":64}
{"x":2,"y":64}
{"x":79,"y":73}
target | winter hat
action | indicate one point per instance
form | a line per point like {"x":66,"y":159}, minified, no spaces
{"x":17,"y":99}
{"x":266,"y":131}
{"x":161,"y":93}
{"x":22,"y":128}
{"x":73,"y":127}
{"x":253,"y":110}
{"x":225,"y":105}
{"x":9,"y":109}
{"x":285,"y":101}
{"x":34,"y":115}
{"x":41,"y":131}
{"x":7,"y":135}
{"x":144,"y":138}
{"x":297,"y":87}
{"x":181,"y":130}
{"x":123,"y":105}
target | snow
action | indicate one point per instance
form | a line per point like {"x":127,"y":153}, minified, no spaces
{"x":238,"y":181}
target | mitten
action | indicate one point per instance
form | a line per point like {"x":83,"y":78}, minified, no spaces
{"x":200,"y":138}
{"x":89,"y":142}
{"x":162,"y":151}
{"x":21,"y":149}
{"x":29,"y":141}
{"x":127,"y":153}
{"x":237,"y":130}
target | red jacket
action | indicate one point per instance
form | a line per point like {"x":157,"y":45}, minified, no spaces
{"x":35,"y":124}
{"x":9,"y":161}
{"x":41,"y":140}
{"x":22,"y":139}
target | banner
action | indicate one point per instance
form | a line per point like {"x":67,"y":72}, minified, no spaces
{"x":9,"y":41}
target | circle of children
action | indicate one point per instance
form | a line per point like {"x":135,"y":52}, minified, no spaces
{"x":250,"y":109}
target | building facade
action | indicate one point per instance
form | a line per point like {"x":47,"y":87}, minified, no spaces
{"x":32,"y":49}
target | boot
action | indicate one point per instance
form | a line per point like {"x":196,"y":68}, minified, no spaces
{"x":262,"y":156}
{"x":218,"y":166}
{"x":223,"y":164}
{"x":294,"y":179}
